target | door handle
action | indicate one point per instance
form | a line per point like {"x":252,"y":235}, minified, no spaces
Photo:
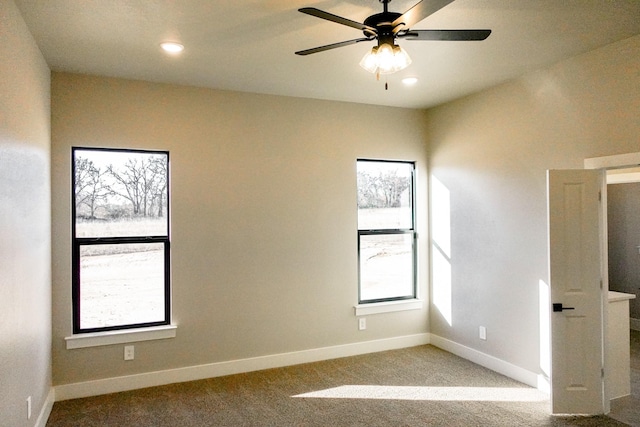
{"x":558,"y":307}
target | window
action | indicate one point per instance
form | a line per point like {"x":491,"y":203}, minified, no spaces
{"x":386,"y":231}
{"x":120,"y":239}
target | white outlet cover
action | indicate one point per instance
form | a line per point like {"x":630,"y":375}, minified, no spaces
{"x":483,"y":333}
{"x":129,"y":352}
{"x":362,"y":324}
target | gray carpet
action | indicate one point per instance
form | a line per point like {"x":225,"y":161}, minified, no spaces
{"x":419,"y":386}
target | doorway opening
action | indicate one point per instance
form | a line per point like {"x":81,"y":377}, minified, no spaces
{"x":623,"y":230}
{"x":619,"y":193}
{"x":623,"y":233}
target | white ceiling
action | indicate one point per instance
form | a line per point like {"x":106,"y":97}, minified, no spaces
{"x":249,"y":45}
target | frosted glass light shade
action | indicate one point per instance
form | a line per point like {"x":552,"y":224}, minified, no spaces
{"x":370,"y":62}
{"x":385,"y":59}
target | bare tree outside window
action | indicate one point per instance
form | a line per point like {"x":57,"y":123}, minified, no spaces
{"x":90,"y":191}
{"x":121,"y":239}
{"x":120,"y":193}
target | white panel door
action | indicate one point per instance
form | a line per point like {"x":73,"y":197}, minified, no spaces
{"x":576,"y":292}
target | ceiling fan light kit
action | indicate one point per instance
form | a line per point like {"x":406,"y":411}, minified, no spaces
{"x":388,"y":57}
{"x":385,"y":59}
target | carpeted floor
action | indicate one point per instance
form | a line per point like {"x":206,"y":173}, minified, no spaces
{"x":419,"y":386}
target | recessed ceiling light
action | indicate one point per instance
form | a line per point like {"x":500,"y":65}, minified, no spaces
{"x":172,"y":47}
{"x":410,"y":81}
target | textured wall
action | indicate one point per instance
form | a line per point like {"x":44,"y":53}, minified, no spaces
{"x":491,"y":152}
{"x":25,"y":222}
{"x":263,"y":227}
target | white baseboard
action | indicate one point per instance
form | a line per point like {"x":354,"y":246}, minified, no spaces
{"x":634,"y":324}
{"x":191,"y":373}
{"x":505,"y":368}
{"x":46,"y":408}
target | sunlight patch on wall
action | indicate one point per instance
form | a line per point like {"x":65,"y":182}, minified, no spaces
{"x":476,"y":394}
{"x":545,"y":327}
{"x":442,"y":284}
{"x":441,"y":248}
{"x":441,"y":216}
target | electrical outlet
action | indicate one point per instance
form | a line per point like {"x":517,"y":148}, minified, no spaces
{"x":29,"y":407}
{"x":128,"y":352}
{"x":483,"y":333}
{"x":362,"y":323}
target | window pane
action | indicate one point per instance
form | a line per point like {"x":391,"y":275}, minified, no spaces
{"x":120,"y":193}
{"x":384,"y":195}
{"x":121,"y":284}
{"x":386,"y":266}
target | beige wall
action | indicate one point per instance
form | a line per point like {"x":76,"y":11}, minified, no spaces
{"x":25,"y":222}
{"x":491,"y":152}
{"x":263,"y":199}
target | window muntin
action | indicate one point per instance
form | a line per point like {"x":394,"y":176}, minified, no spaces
{"x":120,"y":233}
{"x":386,"y":231}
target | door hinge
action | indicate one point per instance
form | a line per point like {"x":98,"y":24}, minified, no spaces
{"x":599,"y":196}
{"x":601,"y":372}
{"x":601,"y":284}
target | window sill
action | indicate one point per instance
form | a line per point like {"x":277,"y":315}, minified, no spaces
{"x":120,"y":337}
{"x":387,"y":307}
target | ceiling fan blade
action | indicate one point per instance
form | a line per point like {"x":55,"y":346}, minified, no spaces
{"x":417,"y":13}
{"x":446,"y":35}
{"x":335,"y":18}
{"x":332,"y":46}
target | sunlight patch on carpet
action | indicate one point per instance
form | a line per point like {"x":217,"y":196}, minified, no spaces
{"x":480,"y":394}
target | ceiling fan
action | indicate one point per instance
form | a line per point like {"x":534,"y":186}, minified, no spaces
{"x":387,"y":57}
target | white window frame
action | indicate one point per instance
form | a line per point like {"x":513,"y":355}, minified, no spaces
{"x":399,"y":302}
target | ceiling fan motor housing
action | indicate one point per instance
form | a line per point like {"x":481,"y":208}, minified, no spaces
{"x":382,"y":22}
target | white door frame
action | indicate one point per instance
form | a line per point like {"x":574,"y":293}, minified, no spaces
{"x":608,"y":162}
{"x":613,"y":162}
